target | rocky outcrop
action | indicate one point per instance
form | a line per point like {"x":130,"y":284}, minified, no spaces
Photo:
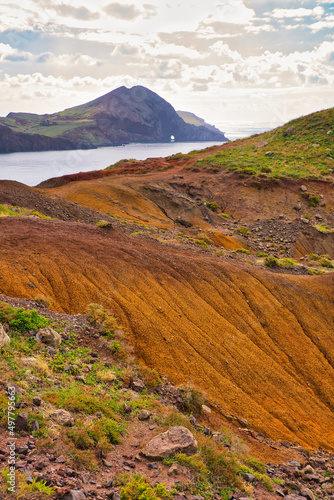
{"x":11,"y":142}
{"x":49,"y":336}
{"x":177,"y":439}
{"x":4,"y":338}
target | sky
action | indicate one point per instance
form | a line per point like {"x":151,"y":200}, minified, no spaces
{"x":251,"y":62}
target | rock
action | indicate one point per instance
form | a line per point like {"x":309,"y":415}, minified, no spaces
{"x":107,"y":463}
{"x":295,"y":463}
{"x":34,"y":425}
{"x":184,"y":223}
{"x":294,"y":497}
{"x":242,"y":421}
{"x":249,"y":477}
{"x":80,"y":378}
{"x":297,"y":207}
{"x":62,"y":417}
{"x":196,"y":497}
{"x":269,"y":153}
{"x":4,"y":338}
{"x":21,"y":422}
{"x":303,"y":188}
{"x":318,"y":216}
{"x":307,"y":493}
{"x":61,"y":459}
{"x":177,"y":439}
{"x":206,"y":409}
{"x":49,"y":336}
{"x":37,"y":401}
{"x":74,"y":495}
{"x":177,"y":470}
{"x":308,"y":470}
{"x":137,"y":385}
{"x":144,"y":415}
{"x":289,"y":131}
{"x":152,"y":465}
{"x":127,"y":408}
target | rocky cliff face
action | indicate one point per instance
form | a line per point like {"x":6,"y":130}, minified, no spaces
{"x":11,"y":142}
{"x":119,"y":117}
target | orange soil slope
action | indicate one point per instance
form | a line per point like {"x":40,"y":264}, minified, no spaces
{"x":260,"y":344}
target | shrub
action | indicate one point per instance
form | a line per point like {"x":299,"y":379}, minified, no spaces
{"x":243,"y":250}
{"x":287,"y":262}
{"x":242,"y":230}
{"x":271,"y":261}
{"x":103,"y":223}
{"x":262,"y":254}
{"x":266,"y":170}
{"x":138,"y":488}
{"x":227,"y":216}
{"x":202,"y":243}
{"x":98,"y":316}
{"x":22,"y":320}
{"x":212,"y":205}
{"x":192,"y":399}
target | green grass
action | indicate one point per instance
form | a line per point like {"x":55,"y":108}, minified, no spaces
{"x":306,"y":153}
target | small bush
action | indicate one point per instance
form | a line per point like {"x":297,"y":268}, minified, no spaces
{"x":266,"y":170}
{"x":287,"y":262}
{"x":192,"y":399}
{"x":262,"y":254}
{"x":271,"y":261}
{"x":242,"y":230}
{"x":138,"y":488}
{"x":243,"y":250}
{"x":227,"y":216}
{"x":212,"y":205}
{"x":202,"y":243}
{"x":103,"y":223}
{"x":22,"y":320}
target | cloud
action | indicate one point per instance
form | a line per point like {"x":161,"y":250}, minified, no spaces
{"x":9,"y":54}
{"x":80,"y":13}
{"x":126,"y":12}
{"x":296,"y":13}
{"x":233,"y":11}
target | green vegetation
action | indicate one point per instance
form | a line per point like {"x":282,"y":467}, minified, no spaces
{"x":22,"y":320}
{"x":227,"y":216}
{"x":14,"y":211}
{"x":212,"y":205}
{"x":243,"y":250}
{"x":300,"y":149}
{"x":27,"y":490}
{"x":271,"y":261}
{"x":103,"y":223}
{"x":138,"y":488}
{"x":242,"y":230}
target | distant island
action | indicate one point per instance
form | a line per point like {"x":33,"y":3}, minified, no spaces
{"x":120,"y":117}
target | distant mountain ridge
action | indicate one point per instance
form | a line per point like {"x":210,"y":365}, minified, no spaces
{"x":121,"y":116}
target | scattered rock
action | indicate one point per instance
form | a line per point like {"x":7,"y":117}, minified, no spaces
{"x":144,"y":415}
{"x":184,"y":223}
{"x":37,"y":401}
{"x":62,"y":417}
{"x":249,"y":477}
{"x":4,"y":338}
{"x":33,"y":425}
{"x":177,"y":439}
{"x":269,"y":153}
{"x":307,"y":493}
{"x":49,"y":336}
{"x":107,"y":463}
{"x":74,"y":495}
{"x":308,"y":470}
{"x":137,"y":385}
{"x":178,"y":470}
{"x":289,"y":131}
{"x":303,"y":188}
{"x":21,"y":422}
{"x":206,"y":409}
{"x":127,"y":408}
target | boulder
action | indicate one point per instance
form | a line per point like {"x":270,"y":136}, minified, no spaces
{"x":144,"y":415}
{"x":74,"y":495}
{"x":49,"y":336}
{"x":177,"y":439}
{"x":307,"y":493}
{"x":4,"y":338}
{"x":21,"y":422}
{"x":62,"y":417}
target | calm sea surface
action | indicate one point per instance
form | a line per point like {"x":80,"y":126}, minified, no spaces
{"x":35,"y":167}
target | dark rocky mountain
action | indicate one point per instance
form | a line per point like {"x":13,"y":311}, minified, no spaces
{"x":121,"y":116}
{"x":11,"y":142}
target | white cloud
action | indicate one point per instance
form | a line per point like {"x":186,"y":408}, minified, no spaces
{"x":296,"y":13}
{"x":233,"y":11}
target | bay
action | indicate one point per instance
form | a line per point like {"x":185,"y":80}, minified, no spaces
{"x":34,"y":167}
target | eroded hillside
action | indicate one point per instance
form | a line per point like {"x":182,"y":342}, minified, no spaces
{"x":223,"y":276}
